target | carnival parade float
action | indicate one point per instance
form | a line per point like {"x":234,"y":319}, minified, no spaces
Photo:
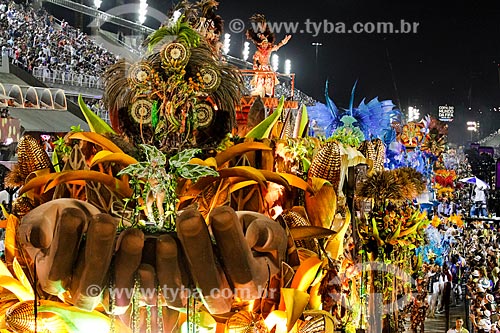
{"x":174,"y":219}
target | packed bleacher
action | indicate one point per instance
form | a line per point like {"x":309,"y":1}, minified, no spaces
{"x":35,"y":41}
{"x":463,"y":270}
{"x":480,"y":245}
{"x":97,"y":106}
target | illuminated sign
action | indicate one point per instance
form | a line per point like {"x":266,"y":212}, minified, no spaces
{"x":446,"y":112}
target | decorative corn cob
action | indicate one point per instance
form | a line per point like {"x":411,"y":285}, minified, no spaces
{"x":21,"y":206}
{"x":317,"y":324}
{"x":375,"y":151}
{"x":21,"y":318}
{"x":326,"y":164}
{"x":378,"y":162}
{"x":31,"y":156}
{"x":56,"y":317}
{"x":368,"y":150}
{"x":293,"y":219}
{"x":287,"y":131}
{"x":245,"y":322}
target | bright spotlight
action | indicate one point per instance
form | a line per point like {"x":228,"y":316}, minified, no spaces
{"x":246,"y":50}
{"x":288,"y":66}
{"x":143,"y":10}
{"x":413,"y":114}
{"x":275,"y":61}
{"x":227,"y":43}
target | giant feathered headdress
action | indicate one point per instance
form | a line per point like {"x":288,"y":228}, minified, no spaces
{"x":259,"y":30}
{"x":201,"y":15}
{"x":178,"y":95}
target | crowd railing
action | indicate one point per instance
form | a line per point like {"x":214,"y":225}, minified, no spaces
{"x":67,"y":78}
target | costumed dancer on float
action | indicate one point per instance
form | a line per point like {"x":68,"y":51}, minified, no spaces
{"x":263,"y":83}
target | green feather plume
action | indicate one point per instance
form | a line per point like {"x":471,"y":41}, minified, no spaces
{"x":180,"y":30}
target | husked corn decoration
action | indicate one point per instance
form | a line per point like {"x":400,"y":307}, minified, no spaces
{"x":31,"y":156}
{"x":294,"y":219}
{"x":326,"y":164}
{"x":21,"y":206}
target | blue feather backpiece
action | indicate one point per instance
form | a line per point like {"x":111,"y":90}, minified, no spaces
{"x":374,"y":118}
{"x":320,"y":118}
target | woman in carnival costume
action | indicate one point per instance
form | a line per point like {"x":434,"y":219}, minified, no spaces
{"x":263,"y":38}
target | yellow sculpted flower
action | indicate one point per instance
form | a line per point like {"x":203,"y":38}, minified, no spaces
{"x":436,"y":221}
{"x":457,"y":219}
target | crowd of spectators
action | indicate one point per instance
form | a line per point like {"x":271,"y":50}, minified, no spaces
{"x":469,"y":271}
{"x":53,"y":50}
{"x":34,"y":40}
{"x":97,"y":106}
{"x":481,"y":245}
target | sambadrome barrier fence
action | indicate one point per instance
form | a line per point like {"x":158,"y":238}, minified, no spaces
{"x":67,"y":78}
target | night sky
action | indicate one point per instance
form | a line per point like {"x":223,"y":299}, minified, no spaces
{"x":453,"y":58}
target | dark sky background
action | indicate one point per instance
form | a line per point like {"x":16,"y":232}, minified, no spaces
{"x":453,"y":58}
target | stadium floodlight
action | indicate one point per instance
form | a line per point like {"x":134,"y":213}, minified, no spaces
{"x":227,"y":43}
{"x":288,"y":66}
{"x":413,"y":114}
{"x":472,"y":127}
{"x":143,"y":10}
{"x":246,"y":50}
{"x":275,"y":62}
